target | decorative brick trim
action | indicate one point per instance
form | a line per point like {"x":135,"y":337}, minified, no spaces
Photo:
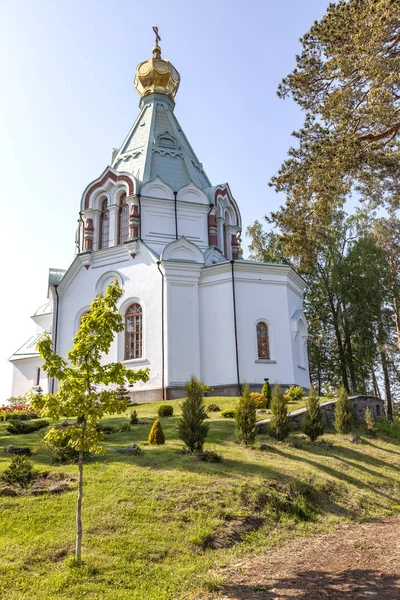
{"x":225,"y":192}
{"x":109,"y":175}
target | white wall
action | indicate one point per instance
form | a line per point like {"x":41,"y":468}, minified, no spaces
{"x":25,"y":376}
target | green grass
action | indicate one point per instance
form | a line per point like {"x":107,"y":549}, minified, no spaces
{"x":149,"y":519}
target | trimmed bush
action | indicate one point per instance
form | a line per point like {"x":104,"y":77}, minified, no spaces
{"x":17,"y":427}
{"x":165,"y":410}
{"x":267,"y":393}
{"x":245,"y":417}
{"x":20,"y":472}
{"x":279,"y":426}
{"x":259,"y":400}
{"x":213,"y":408}
{"x":192,"y":430}
{"x":295,"y":393}
{"x":133,"y":418}
{"x":313,"y":422}
{"x":344,"y":419}
{"x":228,"y":413}
{"x":156,"y":435}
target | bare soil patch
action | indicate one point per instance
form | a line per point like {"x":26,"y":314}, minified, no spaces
{"x":355,"y":561}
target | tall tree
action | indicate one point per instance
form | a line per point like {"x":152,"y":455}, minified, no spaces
{"x":81,"y":393}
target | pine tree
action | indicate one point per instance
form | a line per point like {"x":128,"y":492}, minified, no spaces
{"x":133,"y":418}
{"x":344,"y":419}
{"x":267,"y":393}
{"x":192,"y":429}
{"x":156,"y":435}
{"x":245,"y":417}
{"x":279,"y":425}
{"x":122,"y":393}
{"x":313,"y":422}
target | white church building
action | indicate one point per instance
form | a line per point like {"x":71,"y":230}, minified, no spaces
{"x":191,"y":303}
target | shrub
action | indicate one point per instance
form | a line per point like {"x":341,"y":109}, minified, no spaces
{"x":20,"y":472}
{"x":213,"y":408}
{"x":192,"y":430}
{"x":122,"y":393}
{"x":344,"y":419}
{"x":279,"y":425}
{"x":245,"y":417}
{"x":156,"y":435}
{"x":20,"y":427}
{"x":313,"y":422}
{"x":133,"y":418}
{"x":228,"y":413}
{"x":369,"y":421}
{"x":267,"y":393}
{"x":295,"y":393}
{"x":62,"y":452}
{"x":125,"y":427}
{"x":165,"y":410}
{"x":259,"y":400}
{"x":209,"y":456}
{"x":384,"y":427}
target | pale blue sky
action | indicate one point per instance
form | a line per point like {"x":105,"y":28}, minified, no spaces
{"x":67,"y":99}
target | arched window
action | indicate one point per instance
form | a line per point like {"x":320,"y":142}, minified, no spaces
{"x":133,"y":331}
{"x":104,"y":225}
{"x":263,"y":341}
{"x":123,"y":220}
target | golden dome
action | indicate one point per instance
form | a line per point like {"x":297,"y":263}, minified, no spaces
{"x":157,"y":76}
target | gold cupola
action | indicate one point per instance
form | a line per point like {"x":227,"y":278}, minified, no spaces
{"x":157,"y":76}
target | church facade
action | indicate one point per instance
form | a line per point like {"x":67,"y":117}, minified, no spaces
{"x":191,"y":303}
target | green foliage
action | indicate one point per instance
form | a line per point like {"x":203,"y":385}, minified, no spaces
{"x":245,"y":417}
{"x":209,"y":456}
{"x":165,"y":410}
{"x":344,"y":419}
{"x":369,"y":421}
{"x":228,"y":413}
{"x":125,"y":427}
{"x":133,"y":418}
{"x":61,"y":449}
{"x":213,"y":407}
{"x":385,"y":428}
{"x":279,"y":426}
{"x":267,"y":393}
{"x":15,"y":401}
{"x":17,"y":427}
{"x":20,"y":472}
{"x":192,"y":430}
{"x":156,"y":435}
{"x":295,"y":393}
{"x":123,"y":393}
{"x":313,"y":423}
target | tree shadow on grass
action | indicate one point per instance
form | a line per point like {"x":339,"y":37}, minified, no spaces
{"x":356,"y":584}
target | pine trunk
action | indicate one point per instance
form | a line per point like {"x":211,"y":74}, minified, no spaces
{"x":389,"y":407}
{"x":78,"y":546}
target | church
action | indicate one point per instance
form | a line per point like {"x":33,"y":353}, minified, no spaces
{"x":191,"y":304}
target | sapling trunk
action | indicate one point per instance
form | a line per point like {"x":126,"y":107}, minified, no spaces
{"x":78,"y":546}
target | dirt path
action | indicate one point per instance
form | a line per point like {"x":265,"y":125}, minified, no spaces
{"x":354,"y":562}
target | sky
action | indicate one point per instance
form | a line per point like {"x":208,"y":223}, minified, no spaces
{"x":67,"y":99}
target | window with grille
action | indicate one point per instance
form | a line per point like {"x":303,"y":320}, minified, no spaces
{"x":263,"y":341}
{"x":123,"y":220}
{"x":104,"y":225}
{"x":133,"y":332}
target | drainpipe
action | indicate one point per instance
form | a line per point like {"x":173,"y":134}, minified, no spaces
{"x":140,"y":218}
{"x":235,"y":326}
{"x":55,"y":330}
{"x":176,"y":215}
{"x":162,"y":333}
{"x":78,"y":241}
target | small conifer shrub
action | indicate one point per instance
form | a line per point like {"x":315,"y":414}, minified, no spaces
{"x":369,"y":421}
{"x":165,"y":410}
{"x":259,"y":399}
{"x":213,"y":408}
{"x":133,"y":418}
{"x":156,"y":435}
{"x":267,"y":393}
{"x":344,"y":418}
{"x":279,"y":426}
{"x":125,"y":427}
{"x":21,"y":427}
{"x":313,"y":422}
{"x":192,"y":430}
{"x":122,"y":393}
{"x":245,"y":417}
{"x":20,"y":472}
{"x":295,"y":393}
{"x":228,"y":413}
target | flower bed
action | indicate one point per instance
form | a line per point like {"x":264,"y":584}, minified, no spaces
{"x":21,"y":413}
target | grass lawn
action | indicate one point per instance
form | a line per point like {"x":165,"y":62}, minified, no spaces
{"x":157,"y":525}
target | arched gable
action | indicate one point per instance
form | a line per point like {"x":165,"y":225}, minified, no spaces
{"x":192,"y":193}
{"x":107,"y":177}
{"x":157,"y":188}
{"x":223,"y":197}
{"x":183,"y":250}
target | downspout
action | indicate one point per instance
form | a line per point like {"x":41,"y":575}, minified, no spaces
{"x":176,"y":215}
{"x":208,"y":228}
{"x":55,"y":331}
{"x":162,"y":333}
{"x":235,"y":326}
{"x":140,"y":217}
{"x":78,"y":242}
